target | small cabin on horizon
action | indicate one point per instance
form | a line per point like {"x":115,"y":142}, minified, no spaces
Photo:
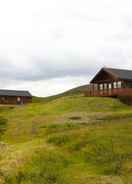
{"x":15,"y":97}
{"x":110,"y":82}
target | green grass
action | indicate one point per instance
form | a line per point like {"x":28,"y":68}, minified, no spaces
{"x":70,"y":139}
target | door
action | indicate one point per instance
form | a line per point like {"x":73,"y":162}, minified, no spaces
{"x":19,"y":100}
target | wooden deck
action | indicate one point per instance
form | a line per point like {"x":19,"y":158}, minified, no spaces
{"x":110,"y":92}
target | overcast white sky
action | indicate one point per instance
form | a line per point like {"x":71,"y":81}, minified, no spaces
{"x":49,"y":46}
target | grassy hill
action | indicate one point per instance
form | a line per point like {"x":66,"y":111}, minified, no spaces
{"x":75,"y":91}
{"x":70,"y":139}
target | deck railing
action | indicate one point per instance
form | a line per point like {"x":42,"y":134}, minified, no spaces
{"x":109,"y":92}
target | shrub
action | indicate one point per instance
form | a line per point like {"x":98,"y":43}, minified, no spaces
{"x":104,"y":155}
{"x":127,"y":99}
{"x":3,"y":125}
{"x":59,"y":139}
{"x":75,"y":118}
{"x":45,"y":168}
{"x":78,"y":145}
{"x":54,"y":128}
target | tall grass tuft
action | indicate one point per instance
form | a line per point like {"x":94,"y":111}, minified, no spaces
{"x":3,"y":125}
{"x":45,"y":168}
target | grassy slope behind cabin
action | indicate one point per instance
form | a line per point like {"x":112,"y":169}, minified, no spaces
{"x":66,"y":139}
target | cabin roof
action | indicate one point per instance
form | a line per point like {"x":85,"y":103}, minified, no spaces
{"x":4,"y":92}
{"x":121,"y":73}
{"x":117,"y":73}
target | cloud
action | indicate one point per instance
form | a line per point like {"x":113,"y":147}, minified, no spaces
{"x":67,"y":66}
{"x":56,"y":40}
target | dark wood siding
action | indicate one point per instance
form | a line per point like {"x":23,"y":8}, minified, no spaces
{"x":14,"y":100}
{"x":107,"y":84}
{"x":109,"y":93}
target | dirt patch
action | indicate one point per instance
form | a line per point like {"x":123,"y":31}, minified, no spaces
{"x":75,"y":118}
{"x":83,"y":117}
{"x":102,"y":180}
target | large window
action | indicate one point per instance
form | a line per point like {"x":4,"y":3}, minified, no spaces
{"x":129,"y":85}
{"x":119,"y":84}
{"x":101,"y":86}
{"x":105,"y":86}
{"x":110,"y":86}
{"x":115,"y":85}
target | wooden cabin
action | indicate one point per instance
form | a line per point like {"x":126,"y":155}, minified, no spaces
{"x":110,"y":82}
{"x":15,"y":97}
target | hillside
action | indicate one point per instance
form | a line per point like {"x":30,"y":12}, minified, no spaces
{"x":67,"y":140}
{"x":75,"y":91}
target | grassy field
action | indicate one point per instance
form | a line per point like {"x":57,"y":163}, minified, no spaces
{"x":70,"y":139}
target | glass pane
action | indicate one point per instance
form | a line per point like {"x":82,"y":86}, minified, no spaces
{"x":105,"y":86}
{"x":119,"y":84}
{"x":110,"y":86}
{"x":101,"y":86}
{"x":129,"y":85}
{"x":115,"y":85}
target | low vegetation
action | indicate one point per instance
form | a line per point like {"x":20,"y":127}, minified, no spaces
{"x":3,"y":126}
{"x":70,"y":139}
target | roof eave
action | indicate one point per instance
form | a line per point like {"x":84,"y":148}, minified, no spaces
{"x":106,"y":70}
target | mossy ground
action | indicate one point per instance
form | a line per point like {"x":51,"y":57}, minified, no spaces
{"x":68,"y":140}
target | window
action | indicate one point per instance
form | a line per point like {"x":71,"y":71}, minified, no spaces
{"x":101,"y":86}
{"x":110,"y":86}
{"x":18,"y":99}
{"x":119,"y":84}
{"x":105,"y":86}
{"x":95,"y":86}
{"x":115,"y":85}
{"x":129,"y":85}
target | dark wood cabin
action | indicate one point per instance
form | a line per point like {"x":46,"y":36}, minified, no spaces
{"x":15,"y":97}
{"x":110,"y":82}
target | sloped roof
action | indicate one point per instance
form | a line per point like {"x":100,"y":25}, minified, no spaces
{"x":120,"y":73}
{"x":117,"y":73}
{"x":14,"y":93}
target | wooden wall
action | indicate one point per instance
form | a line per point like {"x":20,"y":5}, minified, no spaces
{"x":110,"y":93}
{"x":14,"y":100}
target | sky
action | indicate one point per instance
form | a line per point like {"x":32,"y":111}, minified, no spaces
{"x":49,"y":46}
